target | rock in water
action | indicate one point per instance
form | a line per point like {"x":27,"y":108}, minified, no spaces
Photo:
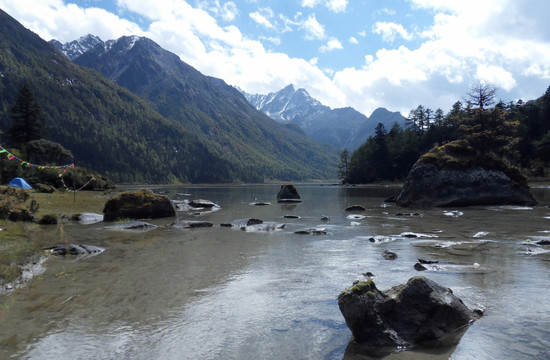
{"x":73,"y":249}
{"x":288,"y":193}
{"x":355,"y":208}
{"x":418,"y":311}
{"x":457,"y":175}
{"x":138,"y":204}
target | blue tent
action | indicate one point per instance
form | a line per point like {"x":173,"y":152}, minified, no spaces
{"x":19,"y":183}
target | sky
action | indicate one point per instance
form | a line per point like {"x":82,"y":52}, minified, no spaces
{"x":365,"y":54}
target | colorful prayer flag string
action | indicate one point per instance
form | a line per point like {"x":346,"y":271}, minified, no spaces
{"x":10,"y":156}
{"x":65,"y":168}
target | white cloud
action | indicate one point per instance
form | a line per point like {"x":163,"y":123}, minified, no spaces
{"x":390,"y":31}
{"x":229,"y":11}
{"x":260,"y":19}
{"x":335,"y":6}
{"x":387,"y":11}
{"x":314,"y":30}
{"x":502,"y":42}
{"x":496,"y":76}
{"x":332,"y":44}
{"x":52,"y":19}
{"x":353,"y":40}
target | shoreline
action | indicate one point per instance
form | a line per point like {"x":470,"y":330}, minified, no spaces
{"x":23,"y":258}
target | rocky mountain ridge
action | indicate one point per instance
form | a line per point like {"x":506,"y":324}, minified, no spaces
{"x":344,"y":128}
{"x":217,"y":113}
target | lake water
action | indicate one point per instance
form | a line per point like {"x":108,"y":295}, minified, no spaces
{"x":225,"y":293}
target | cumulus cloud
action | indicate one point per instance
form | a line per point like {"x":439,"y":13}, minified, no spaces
{"x":52,"y":19}
{"x":353,"y":40}
{"x":260,"y":19}
{"x":314,"y":30}
{"x":229,"y":11}
{"x":335,"y":6}
{"x":389,"y":31}
{"x":502,"y":42}
{"x":332,"y":44}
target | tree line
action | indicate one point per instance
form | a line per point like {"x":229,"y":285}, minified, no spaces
{"x":518,"y":132}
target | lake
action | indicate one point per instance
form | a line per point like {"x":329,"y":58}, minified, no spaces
{"x":226,"y":293}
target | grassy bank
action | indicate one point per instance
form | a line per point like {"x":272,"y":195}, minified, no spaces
{"x":18,"y":248}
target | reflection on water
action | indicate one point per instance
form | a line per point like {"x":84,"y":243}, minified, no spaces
{"x":224,"y":293}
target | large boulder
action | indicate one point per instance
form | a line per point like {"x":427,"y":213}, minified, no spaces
{"x":140,"y":204}
{"x":457,"y":175}
{"x":288,"y":193}
{"x":418,"y":311}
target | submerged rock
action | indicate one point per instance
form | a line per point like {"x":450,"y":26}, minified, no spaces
{"x":87,"y":218}
{"x":263,"y":227}
{"x":202,"y":204}
{"x":288,"y":193}
{"x":72,"y":249}
{"x":132,"y":225}
{"x":140,"y":204}
{"x":408,"y":314}
{"x":243,"y":222}
{"x":389,"y":255}
{"x":311,"y":232}
{"x":192,"y":224}
{"x":457,"y":175}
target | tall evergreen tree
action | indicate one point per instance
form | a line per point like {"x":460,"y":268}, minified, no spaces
{"x":343,"y":167}
{"x":28,"y":120}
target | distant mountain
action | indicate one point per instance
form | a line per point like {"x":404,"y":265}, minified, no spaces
{"x":78,"y":47}
{"x":217,"y":113}
{"x":380,"y":115}
{"x":106,"y":127}
{"x":342,"y":128}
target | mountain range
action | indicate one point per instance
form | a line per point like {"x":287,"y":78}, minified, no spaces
{"x":344,"y":128}
{"x":206,"y":106}
{"x":137,"y":113}
{"x":341,"y":128}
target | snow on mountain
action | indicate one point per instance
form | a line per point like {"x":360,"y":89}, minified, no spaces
{"x":343,"y":128}
{"x":76,"y":48}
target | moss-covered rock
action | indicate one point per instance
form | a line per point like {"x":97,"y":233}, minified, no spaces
{"x":138,"y":204}
{"x":13,"y":204}
{"x":457,"y":175}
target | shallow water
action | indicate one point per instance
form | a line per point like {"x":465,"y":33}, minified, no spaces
{"x":224,"y":293}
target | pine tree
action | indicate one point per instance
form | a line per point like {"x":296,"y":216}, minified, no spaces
{"x":28,"y":120}
{"x":343,"y":167}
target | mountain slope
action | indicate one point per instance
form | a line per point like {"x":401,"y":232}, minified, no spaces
{"x":105,"y":126}
{"x":380,"y":115}
{"x":342,"y":128}
{"x":217,"y":113}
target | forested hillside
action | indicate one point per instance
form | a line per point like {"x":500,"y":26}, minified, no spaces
{"x":109,"y":129}
{"x":105,"y":126}
{"x":518,"y":132}
{"x":256,"y":146}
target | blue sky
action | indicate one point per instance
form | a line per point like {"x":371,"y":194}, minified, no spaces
{"x":365,"y":54}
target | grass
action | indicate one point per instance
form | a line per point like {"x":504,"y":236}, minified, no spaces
{"x":460,"y":155}
{"x":67,"y":203}
{"x":18,"y":248}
